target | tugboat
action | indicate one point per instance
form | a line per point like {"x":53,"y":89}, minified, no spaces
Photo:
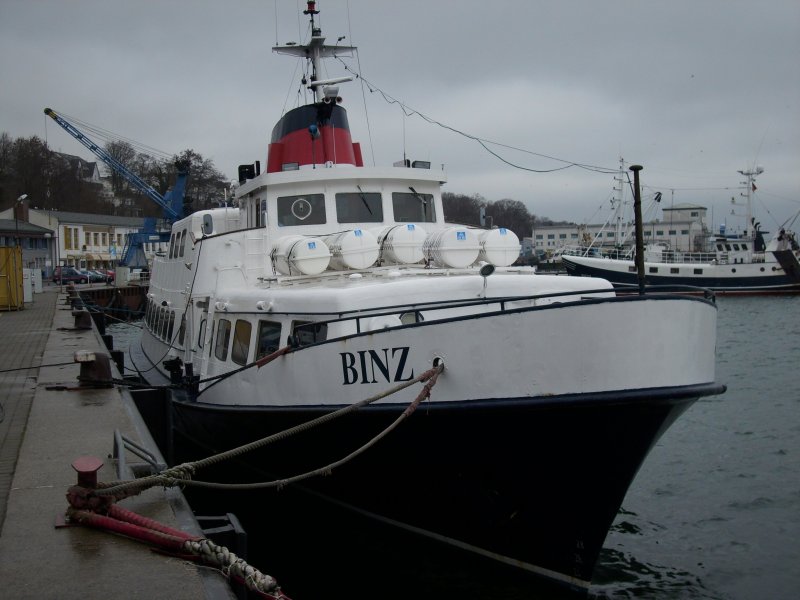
{"x":331,"y":282}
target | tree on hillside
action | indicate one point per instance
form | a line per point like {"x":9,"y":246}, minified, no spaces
{"x":462,"y":209}
{"x":511,"y":214}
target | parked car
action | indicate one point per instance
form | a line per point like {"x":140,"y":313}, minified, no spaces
{"x":69,"y":274}
{"x":96,"y":276}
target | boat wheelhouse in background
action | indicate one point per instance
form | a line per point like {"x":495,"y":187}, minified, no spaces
{"x":330,"y":282}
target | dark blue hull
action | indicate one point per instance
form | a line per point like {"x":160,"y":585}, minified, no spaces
{"x":534,"y":485}
{"x":767,"y":284}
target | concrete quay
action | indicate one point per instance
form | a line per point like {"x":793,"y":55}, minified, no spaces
{"x":41,"y":432}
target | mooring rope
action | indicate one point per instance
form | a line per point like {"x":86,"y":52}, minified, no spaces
{"x":182,"y":474}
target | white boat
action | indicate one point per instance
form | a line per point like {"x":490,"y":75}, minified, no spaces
{"x":349,"y":280}
{"x":741,"y":264}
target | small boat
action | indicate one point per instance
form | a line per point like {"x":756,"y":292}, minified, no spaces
{"x":330,"y":283}
{"x":740,"y":264}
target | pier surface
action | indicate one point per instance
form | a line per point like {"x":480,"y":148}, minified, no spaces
{"x":41,"y":432}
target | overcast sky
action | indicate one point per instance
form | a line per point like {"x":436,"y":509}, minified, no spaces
{"x":692,"y":90}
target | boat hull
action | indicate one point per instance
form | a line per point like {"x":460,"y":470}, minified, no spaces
{"x":532,"y":484}
{"x":523,"y":454}
{"x":744,"y":278}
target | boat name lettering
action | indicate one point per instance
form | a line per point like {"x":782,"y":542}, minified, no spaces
{"x":367,"y":366}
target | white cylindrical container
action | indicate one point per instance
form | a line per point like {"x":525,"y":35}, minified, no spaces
{"x":300,"y":255}
{"x":454,"y":247}
{"x":499,"y":246}
{"x":401,"y":244}
{"x":355,"y":249}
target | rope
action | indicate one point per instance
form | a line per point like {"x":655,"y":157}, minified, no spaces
{"x":130,"y":524}
{"x":182,"y":474}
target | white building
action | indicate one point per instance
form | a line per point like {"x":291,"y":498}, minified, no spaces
{"x":682,"y":227}
{"x":85,"y":240}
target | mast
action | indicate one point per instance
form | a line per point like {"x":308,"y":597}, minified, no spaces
{"x":314,"y":52}
{"x":750,"y":187}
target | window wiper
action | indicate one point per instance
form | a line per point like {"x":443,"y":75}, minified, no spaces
{"x":422,"y":200}
{"x":363,"y":198}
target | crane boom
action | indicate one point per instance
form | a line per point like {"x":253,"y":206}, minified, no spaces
{"x":172,"y":203}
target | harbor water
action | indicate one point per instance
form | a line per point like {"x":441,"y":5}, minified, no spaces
{"x":714,"y":512}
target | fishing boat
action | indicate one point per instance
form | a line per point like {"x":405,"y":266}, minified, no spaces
{"x":727,"y":264}
{"x":331,"y":283}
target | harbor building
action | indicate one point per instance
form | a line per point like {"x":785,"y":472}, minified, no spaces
{"x":682,"y":227}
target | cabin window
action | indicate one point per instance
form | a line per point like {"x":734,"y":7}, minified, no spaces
{"x":182,"y":330}
{"x":171,"y":326}
{"x":183,"y":244}
{"x":172,"y":246}
{"x":201,"y":336}
{"x":413,"y":208}
{"x":263,"y":213}
{"x":241,"y":341}
{"x":359,"y":207}
{"x":698,"y":271}
{"x":307,"y":332}
{"x":652,"y":269}
{"x":159,"y":321}
{"x":301,"y":210}
{"x":674,"y":270}
{"x":223,"y":339}
{"x":631,"y":269}
{"x":269,"y":338}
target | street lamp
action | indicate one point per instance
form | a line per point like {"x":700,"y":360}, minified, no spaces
{"x":16,"y":219}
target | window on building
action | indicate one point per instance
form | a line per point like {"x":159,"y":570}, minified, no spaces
{"x":551,"y":236}
{"x":562,"y":236}
{"x":87,"y":239}
{"x":573,"y":236}
{"x":673,"y":232}
{"x":694,"y":213}
{"x":413,"y":208}
{"x":684,"y":232}
{"x":609,"y":234}
{"x":269,"y":338}
{"x":241,"y":341}
{"x":223,"y":339}
{"x":104,"y":240}
{"x":539,"y":236}
{"x":359,"y":207}
{"x":301,"y":210}
{"x":659,"y":232}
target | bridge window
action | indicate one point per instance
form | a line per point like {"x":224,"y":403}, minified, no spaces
{"x":241,"y":342}
{"x":269,"y":338}
{"x":307,"y":332}
{"x":201,"y":336}
{"x":183,"y":243}
{"x":413,"y":208}
{"x":359,"y":207}
{"x":301,"y":210}
{"x":223,"y":339}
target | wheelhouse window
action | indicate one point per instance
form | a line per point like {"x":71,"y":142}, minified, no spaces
{"x":223,"y":339}
{"x":269,"y":338}
{"x":307,"y":332}
{"x":359,"y":207}
{"x":412,"y":207}
{"x":183,"y":244}
{"x":241,"y":341}
{"x":301,"y":210}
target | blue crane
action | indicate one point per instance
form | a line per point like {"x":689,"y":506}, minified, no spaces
{"x":172,"y":203}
